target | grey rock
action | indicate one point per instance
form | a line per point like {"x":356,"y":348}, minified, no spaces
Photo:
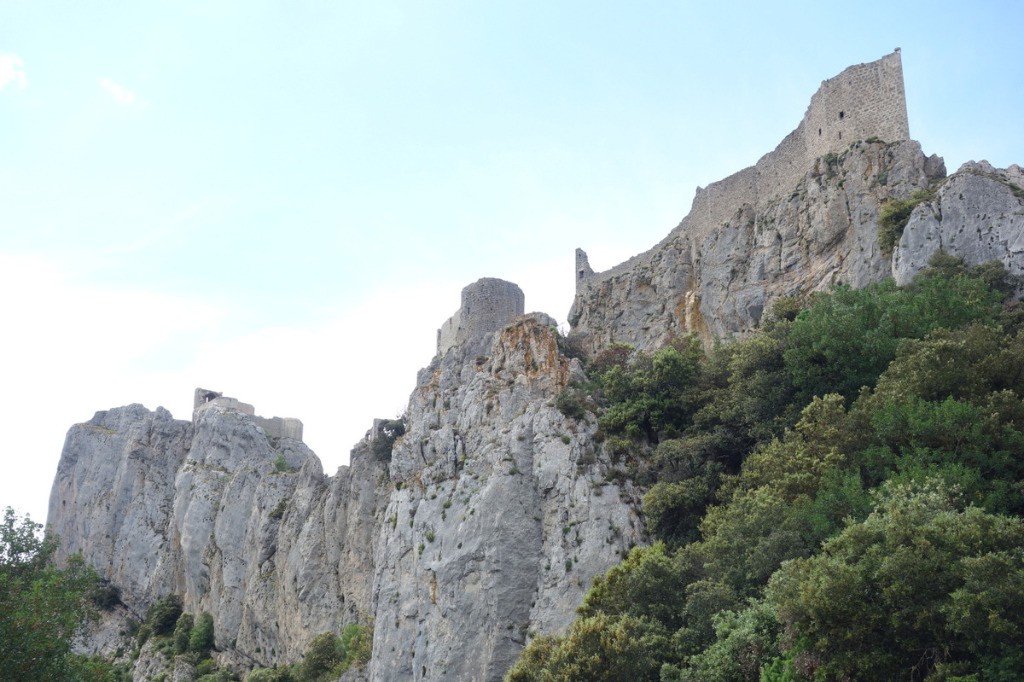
{"x":716,"y":279}
{"x":500,"y":518}
{"x":241,"y":525}
{"x":977,"y":214}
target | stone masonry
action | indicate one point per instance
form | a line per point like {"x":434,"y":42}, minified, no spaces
{"x":275,"y":427}
{"x":487,"y":305}
{"x":864,"y":101}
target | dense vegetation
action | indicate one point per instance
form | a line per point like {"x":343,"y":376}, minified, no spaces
{"x":837,"y":497}
{"x":43,"y":607}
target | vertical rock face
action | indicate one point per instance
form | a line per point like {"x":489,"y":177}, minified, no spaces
{"x":486,"y":521}
{"x":239,"y":524}
{"x":500,"y":517}
{"x":978,"y":215}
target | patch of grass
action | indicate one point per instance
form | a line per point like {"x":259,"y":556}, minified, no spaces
{"x":278,"y":511}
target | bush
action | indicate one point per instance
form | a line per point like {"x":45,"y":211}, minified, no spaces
{"x":106,"y":595}
{"x":201,"y":640}
{"x":323,"y":654}
{"x":163,"y":616}
{"x":270,"y":675}
{"x":894,"y":216}
{"x":570,"y":403}
{"x":182,"y":631}
{"x":388,"y":432}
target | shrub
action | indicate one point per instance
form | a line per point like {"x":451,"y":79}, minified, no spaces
{"x":324,"y":652}
{"x":270,"y":675}
{"x":278,"y":512}
{"x":182,"y":632}
{"x":357,"y":640}
{"x":388,"y":432}
{"x":106,"y":595}
{"x":201,"y":640}
{"x":163,"y":616}
{"x":569,"y":402}
{"x":894,"y":216}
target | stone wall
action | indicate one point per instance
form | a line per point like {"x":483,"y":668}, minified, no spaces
{"x":487,"y":305}
{"x":275,"y":427}
{"x":864,"y":101}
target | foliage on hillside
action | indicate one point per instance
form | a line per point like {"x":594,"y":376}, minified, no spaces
{"x":836,"y":497}
{"x":42,"y":607}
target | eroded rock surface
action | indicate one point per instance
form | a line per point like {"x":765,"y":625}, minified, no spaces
{"x":238,"y":524}
{"x":501,"y":514}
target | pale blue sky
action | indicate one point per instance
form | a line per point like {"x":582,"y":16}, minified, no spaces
{"x":282,"y":200}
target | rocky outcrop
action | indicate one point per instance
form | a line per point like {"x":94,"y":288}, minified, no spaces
{"x":241,"y":525}
{"x":501,"y":514}
{"x":717,"y":279}
{"x":977,"y":214}
{"x":486,"y":522}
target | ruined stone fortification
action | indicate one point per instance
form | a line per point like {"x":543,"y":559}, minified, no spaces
{"x":275,"y":427}
{"x":803,"y":218}
{"x":863,"y":102}
{"x":487,"y":305}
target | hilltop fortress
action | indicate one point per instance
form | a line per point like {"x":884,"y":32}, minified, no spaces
{"x":803,"y":218}
{"x":487,"y":305}
{"x":865,"y":101}
{"x":486,"y":513}
{"x":738,"y":247}
{"x":274,"y":427}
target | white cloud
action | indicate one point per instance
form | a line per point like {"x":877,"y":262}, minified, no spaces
{"x":11,"y":71}
{"x":121,"y":94}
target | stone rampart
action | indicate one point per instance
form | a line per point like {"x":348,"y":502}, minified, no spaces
{"x":487,"y":305}
{"x":275,"y":427}
{"x":864,"y":101}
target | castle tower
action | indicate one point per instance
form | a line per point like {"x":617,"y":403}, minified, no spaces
{"x":487,"y":305}
{"x":865,"y":100}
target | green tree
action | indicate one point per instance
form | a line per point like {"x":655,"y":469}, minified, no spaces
{"x":182,"y":632}
{"x":647,"y":584}
{"x":600,"y":648}
{"x":42,"y":607}
{"x":200,"y":640}
{"x":922,"y":589}
{"x":162,"y":617}
{"x":323,"y":654}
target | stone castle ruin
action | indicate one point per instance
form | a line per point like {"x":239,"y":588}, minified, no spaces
{"x":865,"y":101}
{"x":487,"y":305}
{"x":275,"y":427}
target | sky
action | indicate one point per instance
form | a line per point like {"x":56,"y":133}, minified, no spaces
{"x":282,"y":200}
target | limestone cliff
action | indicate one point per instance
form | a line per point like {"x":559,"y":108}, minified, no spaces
{"x":717,"y":279}
{"x":241,"y":525}
{"x":501,"y":514}
{"x":485,"y":522}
